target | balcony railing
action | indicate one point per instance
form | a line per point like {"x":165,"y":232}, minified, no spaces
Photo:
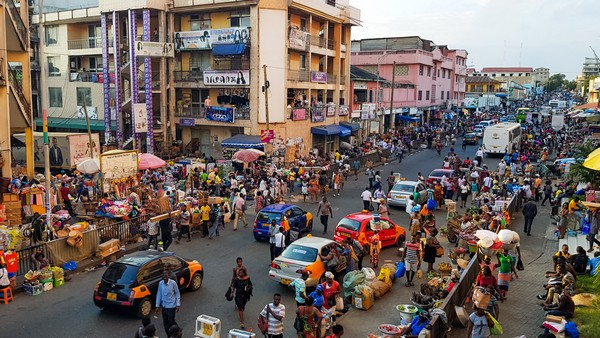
{"x":85,"y":77}
{"x":188,"y":75}
{"x":242,"y":113}
{"x":298,"y":75}
{"x":321,"y":42}
{"x":87,"y":43}
{"x":196,"y":112}
{"x":331,"y":78}
{"x":18,"y":87}
{"x":16,"y":14}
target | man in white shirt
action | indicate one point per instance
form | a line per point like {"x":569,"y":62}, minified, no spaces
{"x":479,"y":156}
{"x":366,"y":198}
{"x":279,"y":242}
{"x":274,"y":314}
{"x":410,"y":203}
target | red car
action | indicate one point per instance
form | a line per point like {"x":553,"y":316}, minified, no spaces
{"x":436,"y":175}
{"x":360,"y":226}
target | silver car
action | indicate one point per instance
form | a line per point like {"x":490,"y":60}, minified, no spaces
{"x":401,"y":190}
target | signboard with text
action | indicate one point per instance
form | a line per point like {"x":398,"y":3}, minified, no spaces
{"x":140,"y":118}
{"x":318,"y":114}
{"x":343,"y":110}
{"x":230,"y":35}
{"x":220,"y":114}
{"x":194,"y":40}
{"x":299,"y":114}
{"x":226,"y":77}
{"x":319,"y":77}
{"x":299,"y":40}
{"x":79,"y":147}
{"x":187,"y":122}
{"x":154,"y":49}
{"x":267,"y":136}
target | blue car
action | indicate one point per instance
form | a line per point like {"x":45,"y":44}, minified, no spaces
{"x":298,"y":219}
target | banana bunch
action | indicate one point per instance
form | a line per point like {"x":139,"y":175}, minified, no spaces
{"x":444,"y":267}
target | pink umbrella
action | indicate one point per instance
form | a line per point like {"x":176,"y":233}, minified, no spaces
{"x":247,"y":155}
{"x":150,"y":161}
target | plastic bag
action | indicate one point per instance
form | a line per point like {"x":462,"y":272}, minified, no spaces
{"x":585,"y":230}
{"x":419,"y":274}
{"x":571,"y":330}
{"x":495,"y":330}
{"x":400,"y":270}
{"x":431,"y":205}
{"x":70,"y":266}
{"x":351,"y":280}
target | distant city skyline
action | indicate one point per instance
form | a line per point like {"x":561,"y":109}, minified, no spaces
{"x":535,"y":33}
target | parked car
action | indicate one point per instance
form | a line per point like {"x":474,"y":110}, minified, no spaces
{"x":478,"y":131}
{"x":303,"y":255}
{"x":132,"y":281}
{"x":401,"y":190}
{"x":360,"y":226}
{"x":299,"y":220}
{"x":436,"y":175}
{"x":470,"y":138}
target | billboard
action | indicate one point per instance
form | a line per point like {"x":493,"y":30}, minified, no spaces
{"x":194,"y":40}
{"x":60,"y":149}
{"x":318,"y":77}
{"x":220,"y":114}
{"x":230,"y":35}
{"x":154,"y":49}
{"x":79,"y":147}
{"x":141,"y":117}
{"x":226,"y":77}
{"x":298,"y":40}
{"x":118,"y":165}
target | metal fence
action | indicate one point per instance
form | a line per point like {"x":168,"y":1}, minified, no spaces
{"x":123,"y":230}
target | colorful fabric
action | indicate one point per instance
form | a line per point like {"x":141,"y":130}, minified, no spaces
{"x":503,"y":280}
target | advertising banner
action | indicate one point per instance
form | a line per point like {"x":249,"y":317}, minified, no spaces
{"x":91,"y":111}
{"x":141,"y":117}
{"x":230,"y":35}
{"x":331,"y":109}
{"x":187,"y":122}
{"x":319,"y":77}
{"x":318,"y":114}
{"x":344,"y":110}
{"x":79,"y":147}
{"x":154,"y":49}
{"x":194,"y":40}
{"x":226,"y":77}
{"x":558,"y":121}
{"x":267,"y":136}
{"x":121,"y":165}
{"x":299,"y":40}
{"x":220,"y":114}
{"x":299,"y":114}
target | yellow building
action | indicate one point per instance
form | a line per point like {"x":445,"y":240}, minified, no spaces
{"x":15,"y":87}
{"x":483,"y":84}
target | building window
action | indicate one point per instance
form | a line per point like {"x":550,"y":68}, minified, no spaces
{"x":371,"y":96}
{"x":55,"y":97}
{"x":420,"y":95}
{"x":360,"y":95}
{"x":493,"y":75}
{"x":443,"y":73}
{"x":438,"y":73}
{"x":95,"y":64}
{"x":420,"y":69}
{"x":449,"y":74}
{"x":442,"y":94}
{"x":401,"y":70}
{"x":448,"y":94}
{"x":303,"y":61}
{"x":199,"y":22}
{"x":503,"y":75}
{"x":53,"y":62}
{"x":51,"y":35}
{"x":303,"y":24}
{"x":427,"y":95}
{"x":84,"y":93}
{"x":240,"y":18}
{"x":429,"y":71}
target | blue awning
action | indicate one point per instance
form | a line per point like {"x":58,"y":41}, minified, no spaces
{"x":331,"y":129}
{"x":500,"y":94}
{"x":243,"y":141}
{"x":350,"y":125}
{"x":231,"y":49}
{"x":407,"y":118}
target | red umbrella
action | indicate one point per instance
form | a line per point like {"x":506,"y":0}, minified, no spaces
{"x":150,"y":161}
{"x":247,"y":155}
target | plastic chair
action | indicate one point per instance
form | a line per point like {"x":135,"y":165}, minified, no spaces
{"x":6,"y":295}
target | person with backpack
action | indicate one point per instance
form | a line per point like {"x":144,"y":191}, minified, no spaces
{"x":184,"y":224}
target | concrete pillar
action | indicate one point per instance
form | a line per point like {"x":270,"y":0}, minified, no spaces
{"x":172,"y":92}
{"x":162,"y":37}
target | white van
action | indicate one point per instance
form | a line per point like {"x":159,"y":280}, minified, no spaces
{"x":501,"y":138}
{"x":486,"y":124}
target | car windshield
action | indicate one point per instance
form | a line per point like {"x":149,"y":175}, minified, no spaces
{"x":349,"y":224}
{"x":469,"y":135}
{"x":267,"y":217}
{"x":300,"y":253}
{"x":438,"y":173}
{"x":119,"y":273}
{"x":404,"y":187}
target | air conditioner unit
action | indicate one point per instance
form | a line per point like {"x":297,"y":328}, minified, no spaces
{"x":207,"y":327}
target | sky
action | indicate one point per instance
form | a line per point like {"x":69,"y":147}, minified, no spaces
{"x":556,"y":34}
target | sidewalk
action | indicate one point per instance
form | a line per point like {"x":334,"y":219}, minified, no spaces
{"x":520,"y":314}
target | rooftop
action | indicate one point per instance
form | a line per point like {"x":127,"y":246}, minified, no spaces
{"x":481,"y":79}
{"x":507,"y":70}
{"x":359,"y":74}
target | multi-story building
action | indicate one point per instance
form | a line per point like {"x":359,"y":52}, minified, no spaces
{"x":523,"y":76}
{"x":15,"y":85}
{"x":224,"y":52}
{"x":591,"y":67}
{"x":541,"y":75}
{"x":428,"y":78}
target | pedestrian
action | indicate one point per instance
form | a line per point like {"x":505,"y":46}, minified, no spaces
{"x":356,"y":166}
{"x":410,"y":202}
{"x":168,"y":299}
{"x":391,"y":180}
{"x":149,"y":331}
{"x":383,"y":209}
{"x":331,"y":289}
{"x":338,"y":331}
{"x":371,"y":176}
{"x":505,"y":271}
{"x":215,"y":220}
{"x":259,"y":201}
{"x":547,"y":192}
{"x":152,"y":233}
{"x":279,"y":242}
{"x":239,"y":265}
{"x":165,"y":232}
{"x":324,"y":213}
{"x":243,"y":291}
{"x":464,"y":193}
{"x":412,"y":258}
{"x":479,"y":324}
{"x":593,"y":218}
{"x":64,"y":193}
{"x":299,"y":286}
{"x":205,"y":215}
{"x":304,"y":189}
{"x":239,"y":207}
{"x":273,"y":228}
{"x":358,"y":249}
{"x":430,"y":251}
{"x":311,"y":318}
{"x":274,"y":313}
{"x":529,"y":211}
{"x":338,"y":183}
{"x":366,"y":198}
{"x":184,"y":224}
{"x":140,"y":331}
{"x":175,"y":331}
{"x":375,"y":248}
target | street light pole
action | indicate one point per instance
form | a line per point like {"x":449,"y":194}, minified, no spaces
{"x":378,"y":98}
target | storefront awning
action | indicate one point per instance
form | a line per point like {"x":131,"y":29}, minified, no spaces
{"x":73,"y":124}
{"x":331,"y":129}
{"x":409,"y":119}
{"x":230,"y":49}
{"x":352,"y":126}
{"x":243,"y":141}
{"x":501,"y":95}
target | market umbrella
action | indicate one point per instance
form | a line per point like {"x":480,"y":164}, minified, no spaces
{"x":89,"y":166}
{"x":593,"y":160}
{"x":150,"y":161}
{"x":259,"y":152}
{"x":247,"y":155}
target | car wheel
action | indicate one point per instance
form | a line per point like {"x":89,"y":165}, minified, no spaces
{"x":400,"y":241}
{"x":310,"y":224}
{"x":145,"y":308}
{"x":257,"y":238}
{"x":196,"y":282}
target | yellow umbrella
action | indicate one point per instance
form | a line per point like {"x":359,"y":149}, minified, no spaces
{"x":593,"y":160}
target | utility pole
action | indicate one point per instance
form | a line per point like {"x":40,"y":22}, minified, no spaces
{"x":265,"y":90}
{"x":392,"y":117}
{"x":42,"y":32}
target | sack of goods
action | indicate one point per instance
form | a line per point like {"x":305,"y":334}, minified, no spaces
{"x":75,"y":238}
{"x":351,"y":280}
{"x":363,"y":297}
{"x":369,"y":274}
{"x":391,"y":267}
{"x":380,"y":288}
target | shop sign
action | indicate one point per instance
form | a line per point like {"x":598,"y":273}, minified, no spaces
{"x":226,"y":77}
{"x":91,"y":111}
{"x":220,"y":114}
{"x":298,"y":39}
{"x":141,"y":117}
{"x":299,"y":114}
{"x":79,"y":147}
{"x":154,"y":49}
{"x":360,"y":85}
{"x":331,"y":109}
{"x":320,"y":77}
{"x":318,"y":114}
{"x":122,"y":165}
{"x":187,"y":122}
{"x":230,"y":35}
{"x":194,"y":40}
{"x":343,"y":110}
{"x":267,"y":136}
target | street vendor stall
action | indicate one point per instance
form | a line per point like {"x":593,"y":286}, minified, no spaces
{"x":119,"y":170}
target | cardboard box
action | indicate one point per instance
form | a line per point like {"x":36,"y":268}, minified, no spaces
{"x":10,"y":198}
{"x":33,"y":290}
{"x":108,"y":248}
{"x":59,"y":282}
{"x":555,"y":319}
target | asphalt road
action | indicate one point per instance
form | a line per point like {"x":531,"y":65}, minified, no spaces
{"x":69,"y":311}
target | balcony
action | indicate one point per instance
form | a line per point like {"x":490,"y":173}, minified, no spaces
{"x":188,"y":76}
{"x":298,"y":75}
{"x":194,"y":112}
{"x":318,"y":41}
{"x":16,"y":88}
{"x":19,"y":26}
{"x":85,"y":77}
{"x":86,"y":43}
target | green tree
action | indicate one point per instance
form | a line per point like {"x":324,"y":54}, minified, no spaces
{"x":570,"y":85}
{"x":578,"y":172}
{"x":555,"y":83}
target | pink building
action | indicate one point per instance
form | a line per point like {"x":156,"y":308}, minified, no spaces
{"x":428,"y":79}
